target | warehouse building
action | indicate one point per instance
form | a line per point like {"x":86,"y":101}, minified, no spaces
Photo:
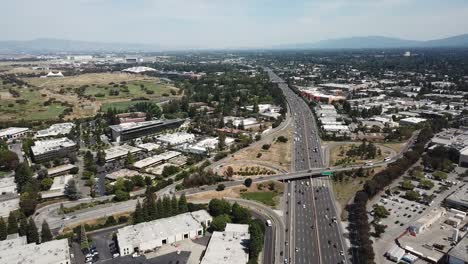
{"x":228,"y":247}
{"x":148,"y":236}
{"x":458,"y":199}
{"x":463,"y":160}
{"x":459,"y":253}
{"x":15,"y":250}
{"x":132,"y":130}
{"x":45,"y":150}
{"x":427,"y":220}
{"x":12,"y":133}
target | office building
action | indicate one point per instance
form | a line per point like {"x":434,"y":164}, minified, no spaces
{"x":463,"y":160}
{"x":128,"y":131}
{"x":156,"y":159}
{"x":458,"y":199}
{"x":459,"y":253}
{"x":120,"y":152}
{"x":148,"y":236}
{"x":17,"y":251}
{"x":12,"y":133}
{"x":176,"y":138}
{"x":228,"y":247}
{"x":45,"y":150}
{"x":58,"y":187}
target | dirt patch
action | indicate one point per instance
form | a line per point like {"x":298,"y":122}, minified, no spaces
{"x":278,"y":155}
{"x":235,"y":192}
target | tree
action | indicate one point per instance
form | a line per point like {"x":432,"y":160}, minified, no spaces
{"x":380,"y":211}
{"x":183,"y":208}
{"x":138,"y":216}
{"x":412,"y":195}
{"x":3,"y":229}
{"x":8,"y":159}
{"x":174,"y":205}
{"x":218,"y":207}
{"x":219,"y":222}
{"x":222,"y":141}
{"x":101,"y":158}
{"x":23,"y":227}
{"x":42,"y":173}
{"x":220,"y":187}
{"x":129,"y":160}
{"x":407,"y":185}
{"x":23,"y":175}
{"x":229,"y":172}
{"x":148,"y":181}
{"x":110,"y":221}
{"x":266,"y":146}
{"x":32,"y":234}
{"x":440,"y":175}
{"x":71,"y":191}
{"x":138,"y":181}
{"x":426,"y":184}
{"x":46,"y":184}
{"x":248,"y":182}
{"x":167,"y":206}
{"x":12,"y":224}
{"x":240,"y":215}
{"x":46,"y":235}
{"x":121,"y":195}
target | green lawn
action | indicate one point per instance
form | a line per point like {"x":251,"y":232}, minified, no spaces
{"x":121,"y":106}
{"x":267,"y":198}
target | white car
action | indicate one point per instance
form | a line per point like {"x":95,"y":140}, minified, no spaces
{"x":116,"y":255}
{"x":135,"y":255}
{"x":341,"y":253}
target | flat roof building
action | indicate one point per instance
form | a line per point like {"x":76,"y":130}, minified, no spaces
{"x":458,"y":199}
{"x":463,"y":160}
{"x":148,"y":236}
{"x":176,"y":138}
{"x":52,"y":252}
{"x":8,"y":202}
{"x":427,"y":220}
{"x":122,"y":173}
{"x":55,"y":130}
{"x":53,"y":148}
{"x":119,"y":152}
{"x":7,"y":185}
{"x":12,"y":133}
{"x":60,"y":170}
{"x":228,"y":247}
{"x":156,"y":159}
{"x":459,"y":253}
{"x":412,"y":121}
{"x":58,"y":187}
{"x":128,"y":131}
{"x":148,"y":147}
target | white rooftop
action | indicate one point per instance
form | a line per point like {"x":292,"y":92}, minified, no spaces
{"x":10,"y":243}
{"x":413,"y":120}
{"x":120,"y":151}
{"x":139,"y":69}
{"x":162,"y":228}
{"x":149,"y":146}
{"x":228,"y":247}
{"x":59,"y":169}
{"x":12,"y":130}
{"x":176,"y":138}
{"x":55,"y":251}
{"x":55,"y":130}
{"x":58,"y":187}
{"x":44,"y":146}
{"x":121,"y":174}
{"x":8,"y":203}
{"x":156,"y":159}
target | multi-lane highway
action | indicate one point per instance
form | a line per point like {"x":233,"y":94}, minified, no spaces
{"x":314,"y":228}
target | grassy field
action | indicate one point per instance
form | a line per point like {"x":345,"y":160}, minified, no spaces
{"x":267,"y":198}
{"x":29,"y":105}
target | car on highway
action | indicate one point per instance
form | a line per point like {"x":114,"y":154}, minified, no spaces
{"x":268,"y":222}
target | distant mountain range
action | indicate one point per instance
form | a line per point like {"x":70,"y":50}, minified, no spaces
{"x":45,"y":45}
{"x":376,"y":42}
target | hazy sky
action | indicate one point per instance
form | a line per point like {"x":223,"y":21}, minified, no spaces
{"x":229,"y":23}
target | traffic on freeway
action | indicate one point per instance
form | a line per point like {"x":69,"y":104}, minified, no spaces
{"x":314,"y":228}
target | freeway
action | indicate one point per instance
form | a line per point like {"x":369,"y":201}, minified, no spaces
{"x":305,"y":211}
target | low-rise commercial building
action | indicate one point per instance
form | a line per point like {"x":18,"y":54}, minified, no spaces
{"x":7,"y":185}
{"x":427,"y":220}
{"x":45,"y":150}
{"x":128,"y":131}
{"x":12,"y":133}
{"x":148,"y":147}
{"x":412,"y":121}
{"x":8,"y":202}
{"x":122,"y":173}
{"x":58,"y":187}
{"x":119,"y":152}
{"x":458,"y":199}
{"x":156,"y":159}
{"x":55,"y":130}
{"x":148,"y":236}
{"x":459,"y":253}
{"x":463,"y":160}
{"x":228,"y":247}
{"x":60,"y":170}
{"x":176,"y":138}
{"x":17,"y":251}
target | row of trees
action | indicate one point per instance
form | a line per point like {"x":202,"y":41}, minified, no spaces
{"x":364,"y":150}
{"x":153,"y":208}
{"x":358,"y":220}
{"x":25,"y":228}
